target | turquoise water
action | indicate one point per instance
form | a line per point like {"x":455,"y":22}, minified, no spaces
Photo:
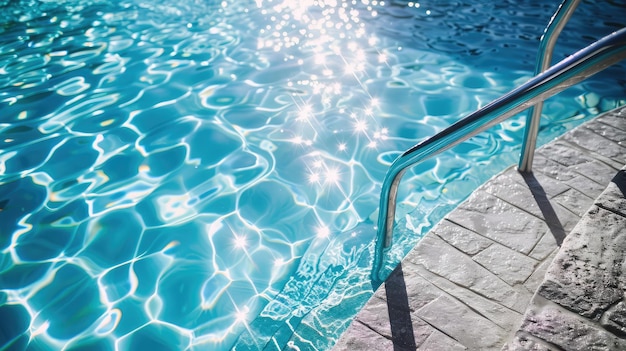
{"x":204,"y":175}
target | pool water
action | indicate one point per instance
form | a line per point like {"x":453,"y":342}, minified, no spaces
{"x":205,"y":175}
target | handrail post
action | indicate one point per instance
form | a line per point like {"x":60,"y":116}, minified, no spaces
{"x":544,"y":58}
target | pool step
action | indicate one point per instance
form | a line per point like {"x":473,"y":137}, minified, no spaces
{"x":468,"y":283}
{"x":581,"y":301}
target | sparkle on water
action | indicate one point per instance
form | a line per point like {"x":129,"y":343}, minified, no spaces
{"x":205,"y":175}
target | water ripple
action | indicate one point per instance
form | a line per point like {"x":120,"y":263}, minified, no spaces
{"x":205,"y":174}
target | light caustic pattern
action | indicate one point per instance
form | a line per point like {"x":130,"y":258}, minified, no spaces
{"x":203,"y":175}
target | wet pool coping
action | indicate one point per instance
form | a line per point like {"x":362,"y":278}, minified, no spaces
{"x":501,"y":271}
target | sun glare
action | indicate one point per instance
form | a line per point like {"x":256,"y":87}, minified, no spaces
{"x":323,"y":232}
{"x":360,"y":126}
{"x":332,"y":176}
{"x":240,"y":242}
{"x":304,"y":113}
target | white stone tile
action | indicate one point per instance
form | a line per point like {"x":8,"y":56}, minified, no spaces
{"x":499,"y":221}
{"x":502,"y":316}
{"x":462,"y":324}
{"x":461,"y":238}
{"x":545,"y":246}
{"x":440,"y":341}
{"x":614,"y":197}
{"x":511,"y":266}
{"x":438,"y":257}
{"x":587,"y":186}
{"x":360,"y":337}
{"x":535,"y":279}
{"x":575,"y":201}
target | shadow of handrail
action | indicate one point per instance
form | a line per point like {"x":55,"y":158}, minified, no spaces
{"x":549,"y":215}
{"x":399,"y":311}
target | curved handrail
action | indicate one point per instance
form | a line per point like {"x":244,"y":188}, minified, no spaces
{"x":577,"y":67}
{"x":544,"y":58}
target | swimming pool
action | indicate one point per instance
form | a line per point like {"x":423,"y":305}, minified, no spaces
{"x":205,"y":174}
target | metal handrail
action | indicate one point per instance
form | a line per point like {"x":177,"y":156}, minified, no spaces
{"x":544,"y":58}
{"x":577,"y":67}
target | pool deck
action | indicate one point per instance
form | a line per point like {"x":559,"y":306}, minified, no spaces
{"x":527,"y":262}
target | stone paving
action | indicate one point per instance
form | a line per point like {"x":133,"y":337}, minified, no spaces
{"x":490,"y":276}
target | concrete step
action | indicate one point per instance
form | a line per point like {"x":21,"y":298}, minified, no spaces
{"x":580,"y":305}
{"x":467,"y":285}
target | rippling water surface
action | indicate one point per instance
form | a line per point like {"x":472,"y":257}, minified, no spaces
{"x":205,"y":174}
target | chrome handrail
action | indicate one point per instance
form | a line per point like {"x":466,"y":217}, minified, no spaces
{"x":575,"y":68}
{"x":544,"y":58}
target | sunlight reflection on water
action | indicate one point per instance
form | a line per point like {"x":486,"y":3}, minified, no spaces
{"x":204,"y":174}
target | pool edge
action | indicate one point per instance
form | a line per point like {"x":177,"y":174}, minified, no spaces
{"x":468,"y":283}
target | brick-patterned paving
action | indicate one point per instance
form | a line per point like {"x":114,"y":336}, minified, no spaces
{"x":491,"y":275}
